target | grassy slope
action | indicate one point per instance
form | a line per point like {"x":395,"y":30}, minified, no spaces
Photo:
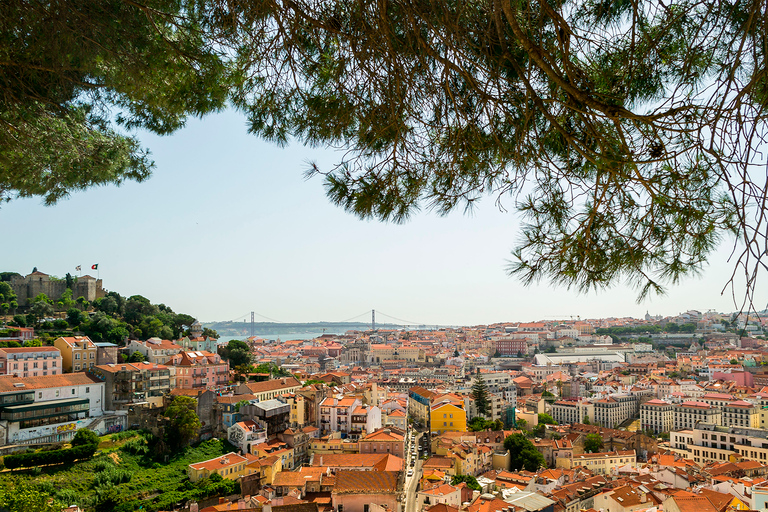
{"x":152,"y":484}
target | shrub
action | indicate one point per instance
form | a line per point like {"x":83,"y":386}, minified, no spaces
{"x":111,"y":476}
{"x":102,"y":464}
{"x":136,"y":446}
{"x":26,"y":460}
{"x":85,"y":436}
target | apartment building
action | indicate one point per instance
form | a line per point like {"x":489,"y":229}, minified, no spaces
{"x":497,"y":406}
{"x":567,"y":412}
{"x":269,"y":389}
{"x":419,"y":400}
{"x":615,"y":409}
{"x":447,"y":414}
{"x":716,"y":399}
{"x":708,"y":442}
{"x":199,"y":370}
{"x":657,"y":416}
{"x":336,"y":413}
{"x":740,"y":414}
{"x":130,"y":384}
{"x":48,"y":408}
{"x":601,"y":463}
{"x":30,"y":361}
{"x":78,"y":353}
{"x":155,"y":350}
{"x":688,"y":414}
{"x":512,"y":346}
{"x":230,"y":466}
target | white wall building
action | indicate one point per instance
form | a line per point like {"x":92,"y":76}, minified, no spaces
{"x":52,"y":408}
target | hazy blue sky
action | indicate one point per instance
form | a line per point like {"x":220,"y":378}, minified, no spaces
{"x":227,"y":225}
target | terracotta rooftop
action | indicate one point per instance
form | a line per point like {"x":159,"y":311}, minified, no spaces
{"x":366,"y":482}
{"x":11,"y":383}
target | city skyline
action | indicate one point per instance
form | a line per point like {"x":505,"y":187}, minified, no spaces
{"x":228,"y":224}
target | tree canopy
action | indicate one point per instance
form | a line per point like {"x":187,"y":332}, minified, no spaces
{"x":183,"y":422}
{"x":523,"y":454}
{"x":593,"y":443}
{"x":480,"y":396}
{"x":626,"y":134}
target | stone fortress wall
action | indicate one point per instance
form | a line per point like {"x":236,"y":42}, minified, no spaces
{"x":32,"y":285}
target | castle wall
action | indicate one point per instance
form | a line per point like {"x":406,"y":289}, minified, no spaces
{"x":29,"y":287}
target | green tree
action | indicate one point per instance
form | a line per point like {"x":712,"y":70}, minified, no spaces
{"x":470,"y":480}
{"x":210,"y":333}
{"x":75,"y":317}
{"x":523,"y":454}
{"x":480,"y":395}
{"x":734,"y":361}
{"x":546,"y":419}
{"x":8,"y":299}
{"x":593,"y":443}
{"x":586,"y":420}
{"x":42,"y":306}
{"x":238,"y":353}
{"x":137,"y":357}
{"x":588,"y":115}
{"x":153,"y":63}
{"x":85,"y":436}
{"x":183,"y":422}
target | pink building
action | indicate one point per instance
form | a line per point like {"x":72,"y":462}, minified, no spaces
{"x":200,"y":369}
{"x":740,"y":378}
{"x":30,"y":361}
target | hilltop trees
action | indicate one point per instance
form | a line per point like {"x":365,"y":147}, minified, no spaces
{"x":626,"y":134}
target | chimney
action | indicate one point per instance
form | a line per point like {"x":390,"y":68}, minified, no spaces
{"x":222,"y":501}
{"x":193,"y":507}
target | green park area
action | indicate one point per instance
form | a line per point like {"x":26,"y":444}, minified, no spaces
{"x":128,"y":472}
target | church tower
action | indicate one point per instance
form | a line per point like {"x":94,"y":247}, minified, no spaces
{"x":196,"y":329}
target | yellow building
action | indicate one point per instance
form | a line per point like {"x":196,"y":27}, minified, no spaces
{"x":230,"y":466}
{"x":448,"y":416}
{"x":599,"y":463}
{"x":78,"y":353}
{"x":275,"y":448}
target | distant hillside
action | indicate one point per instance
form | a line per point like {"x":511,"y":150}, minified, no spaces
{"x":244,"y":328}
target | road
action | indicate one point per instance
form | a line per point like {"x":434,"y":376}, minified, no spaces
{"x":412,"y":482}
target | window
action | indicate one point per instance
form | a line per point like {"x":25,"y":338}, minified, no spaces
{"x":39,"y":395}
{"x":91,"y":356}
{"x":77,"y":367}
{"x":87,"y":390}
{"x":73,"y":391}
{"x":57,"y":393}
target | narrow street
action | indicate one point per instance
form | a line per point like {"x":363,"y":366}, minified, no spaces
{"x":412,"y":482}
{"x":410,"y":488}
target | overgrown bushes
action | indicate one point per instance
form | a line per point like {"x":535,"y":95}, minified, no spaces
{"x":26,"y":460}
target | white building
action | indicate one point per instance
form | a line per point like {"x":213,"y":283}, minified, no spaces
{"x":155,"y":350}
{"x":657,"y":415}
{"x":52,"y":408}
{"x":567,"y":412}
{"x":245,"y":434}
